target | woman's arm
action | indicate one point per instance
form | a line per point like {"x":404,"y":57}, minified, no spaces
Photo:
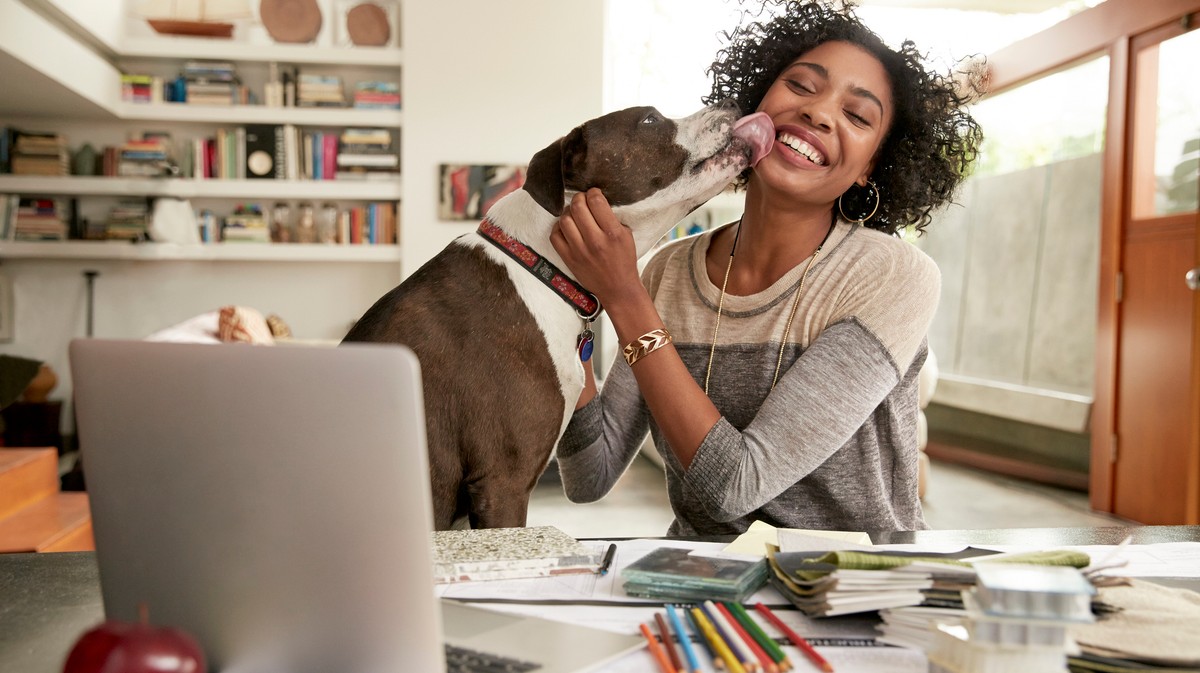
{"x":600,"y":252}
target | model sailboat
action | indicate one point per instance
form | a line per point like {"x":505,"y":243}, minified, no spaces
{"x":196,"y":18}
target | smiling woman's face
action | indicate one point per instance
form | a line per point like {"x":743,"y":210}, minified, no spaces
{"x":832,"y":108}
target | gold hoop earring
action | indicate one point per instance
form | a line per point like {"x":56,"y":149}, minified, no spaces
{"x":871,"y":192}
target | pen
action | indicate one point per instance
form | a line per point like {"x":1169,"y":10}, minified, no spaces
{"x":685,"y":642}
{"x":796,"y":639}
{"x":608,"y":559}
{"x":659,"y":655}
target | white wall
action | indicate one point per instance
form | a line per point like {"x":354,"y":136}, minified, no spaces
{"x":489,"y":83}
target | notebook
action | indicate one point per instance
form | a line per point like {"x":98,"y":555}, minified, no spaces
{"x":273,"y":501}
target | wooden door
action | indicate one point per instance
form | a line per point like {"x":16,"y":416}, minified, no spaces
{"x":1156,"y":452}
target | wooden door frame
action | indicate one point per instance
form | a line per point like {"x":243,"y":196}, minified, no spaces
{"x":1107,"y":29}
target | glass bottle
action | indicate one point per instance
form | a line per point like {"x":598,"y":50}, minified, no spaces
{"x":327,"y":224}
{"x":281,"y":226}
{"x":306,"y":224}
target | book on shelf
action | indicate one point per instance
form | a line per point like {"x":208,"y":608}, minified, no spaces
{"x":248,"y":225}
{"x":127,"y":221}
{"x":320,"y":91}
{"x":376,"y":95}
{"x":509,"y":553}
{"x":37,"y":219}
{"x":37,"y":153}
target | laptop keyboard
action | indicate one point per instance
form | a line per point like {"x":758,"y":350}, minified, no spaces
{"x":463,"y":660}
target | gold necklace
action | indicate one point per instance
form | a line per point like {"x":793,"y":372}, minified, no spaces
{"x":787,"y":330}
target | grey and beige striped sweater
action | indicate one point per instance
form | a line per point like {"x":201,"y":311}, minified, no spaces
{"x":834,"y":445}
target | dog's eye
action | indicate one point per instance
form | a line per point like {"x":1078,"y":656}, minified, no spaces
{"x":652,"y":118}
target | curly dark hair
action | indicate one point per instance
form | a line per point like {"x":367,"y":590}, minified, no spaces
{"x":932,"y":141}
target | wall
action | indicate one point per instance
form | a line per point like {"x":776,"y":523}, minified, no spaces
{"x":489,"y":83}
{"x":1015,"y":330}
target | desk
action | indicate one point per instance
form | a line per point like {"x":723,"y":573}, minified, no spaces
{"x":48,"y":600}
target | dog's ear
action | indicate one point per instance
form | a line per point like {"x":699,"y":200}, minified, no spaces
{"x":544,"y":179}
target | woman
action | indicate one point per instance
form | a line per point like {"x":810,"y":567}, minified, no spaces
{"x":775,"y":359}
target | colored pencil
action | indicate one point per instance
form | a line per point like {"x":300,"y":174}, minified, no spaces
{"x":796,"y":638}
{"x":764,"y":659}
{"x":718,"y":645}
{"x":659,"y":655}
{"x":767,"y":642}
{"x":718,"y":662}
{"x":743,"y":651}
{"x":685,"y":641}
{"x":667,"y":642}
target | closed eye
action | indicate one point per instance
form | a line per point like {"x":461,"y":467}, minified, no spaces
{"x":858,"y":119}
{"x":652,"y":118}
{"x":800,"y":86}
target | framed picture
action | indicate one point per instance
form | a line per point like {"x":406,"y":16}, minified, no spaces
{"x":366,"y":23}
{"x":467,"y":191}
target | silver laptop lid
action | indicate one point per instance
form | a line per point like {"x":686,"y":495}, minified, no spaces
{"x":271,"y":501}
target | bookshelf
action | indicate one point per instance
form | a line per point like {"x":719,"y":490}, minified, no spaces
{"x":346,"y":190}
{"x":212,"y":252}
{"x":182,"y":48}
{"x":257,"y":114}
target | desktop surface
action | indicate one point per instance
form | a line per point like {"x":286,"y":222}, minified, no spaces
{"x":48,"y":600}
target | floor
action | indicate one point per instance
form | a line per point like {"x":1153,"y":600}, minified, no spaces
{"x":957,"y":498}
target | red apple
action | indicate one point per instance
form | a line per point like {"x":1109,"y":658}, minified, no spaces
{"x":135,"y":647}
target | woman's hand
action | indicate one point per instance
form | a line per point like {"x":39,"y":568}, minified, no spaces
{"x":597,"y":248}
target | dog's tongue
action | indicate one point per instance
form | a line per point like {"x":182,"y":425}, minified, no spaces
{"x":758,"y":132}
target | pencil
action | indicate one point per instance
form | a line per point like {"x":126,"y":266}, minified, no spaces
{"x":796,"y":639}
{"x":718,"y":645}
{"x":718,"y":662}
{"x":685,"y":641}
{"x":659,"y":655}
{"x":764,"y":659}
{"x":767,"y":642}
{"x":667,"y":642}
{"x":745,"y":655}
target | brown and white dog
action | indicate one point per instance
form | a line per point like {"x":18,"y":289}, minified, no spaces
{"x":496,"y":321}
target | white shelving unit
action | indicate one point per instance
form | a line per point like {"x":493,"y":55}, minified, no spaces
{"x":102,"y":89}
{"x":350,"y":190}
{"x":201,"y":48}
{"x":213,"y":252}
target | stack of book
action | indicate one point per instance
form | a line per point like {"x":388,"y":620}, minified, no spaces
{"x":1017,"y":619}
{"x":144,"y":157}
{"x":372,"y":224}
{"x":509,"y":553}
{"x":674,"y":573}
{"x":127,"y":221}
{"x":39,"y":220}
{"x":366,"y":154}
{"x":209,"y":83}
{"x":141,"y":88}
{"x":39,"y":154}
{"x":377,"y":95}
{"x":320,"y":91}
{"x":247,"y":225}
{"x":826,"y":584}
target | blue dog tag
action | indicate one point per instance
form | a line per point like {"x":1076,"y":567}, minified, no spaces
{"x":584,"y":345}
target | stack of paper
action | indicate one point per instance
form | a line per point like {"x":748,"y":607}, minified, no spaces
{"x":847,"y":582}
{"x":508,"y":553}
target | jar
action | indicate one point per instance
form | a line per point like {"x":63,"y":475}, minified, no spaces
{"x":327,"y":224}
{"x":306,"y":225}
{"x":281,"y":226}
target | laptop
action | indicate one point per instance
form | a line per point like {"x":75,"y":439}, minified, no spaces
{"x":273,"y":502}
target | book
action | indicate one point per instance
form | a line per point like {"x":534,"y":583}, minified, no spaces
{"x":260,"y":151}
{"x":674,"y":573}
{"x":509,"y":553}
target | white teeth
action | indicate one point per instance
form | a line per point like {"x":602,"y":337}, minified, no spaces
{"x":803,"y":148}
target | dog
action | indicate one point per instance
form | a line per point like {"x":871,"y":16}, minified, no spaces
{"x":497,"y":322}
